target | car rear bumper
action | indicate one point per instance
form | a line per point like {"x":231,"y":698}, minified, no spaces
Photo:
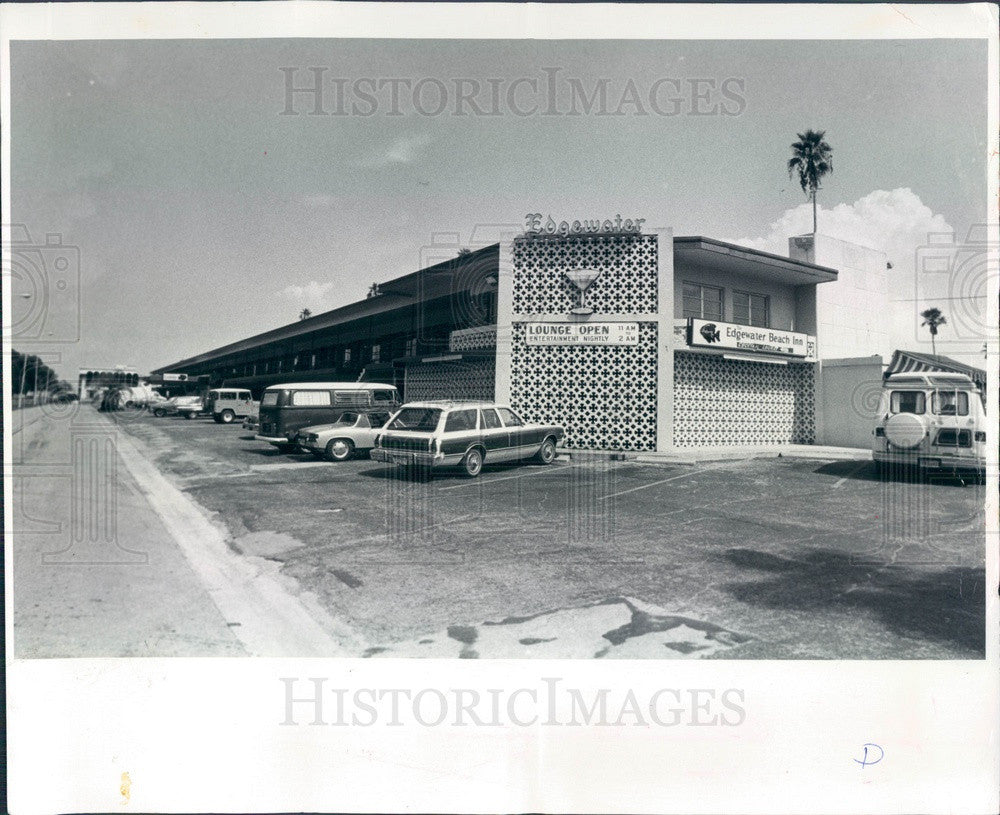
{"x":930,"y":460}
{"x":409,"y":458}
{"x":274,"y":439}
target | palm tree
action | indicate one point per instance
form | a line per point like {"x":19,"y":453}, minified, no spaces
{"x":812,"y":159}
{"x":305,"y":314}
{"x":932,"y":319}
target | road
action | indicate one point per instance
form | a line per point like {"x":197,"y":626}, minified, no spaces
{"x":761,"y":559}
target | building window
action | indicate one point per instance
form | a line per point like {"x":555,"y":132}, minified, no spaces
{"x":312,"y":361}
{"x":376,"y":353}
{"x":703,"y":302}
{"x":411,"y":347}
{"x":347,"y":355}
{"x":750,"y":309}
{"x":295,"y":362}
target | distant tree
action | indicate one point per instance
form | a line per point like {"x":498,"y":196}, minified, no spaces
{"x":465,"y":250}
{"x":812,"y":158}
{"x":932,"y":319}
{"x":373,"y":290}
{"x":305,"y":314}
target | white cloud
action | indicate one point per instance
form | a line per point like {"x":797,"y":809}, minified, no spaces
{"x":313,"y":295}
{"x":404,"y":150}
{"x":898,"y":223}
{"x":894,"y":221}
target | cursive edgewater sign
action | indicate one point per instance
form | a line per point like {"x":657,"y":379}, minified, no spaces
{"x":581,"y":333}
{"x":537,"y":224}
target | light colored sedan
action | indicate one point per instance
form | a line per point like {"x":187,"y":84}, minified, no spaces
{"x":354,"y":432}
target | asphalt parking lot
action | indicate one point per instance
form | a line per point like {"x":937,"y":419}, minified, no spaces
{"x":761,"y":559}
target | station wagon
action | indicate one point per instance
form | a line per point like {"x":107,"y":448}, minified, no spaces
{"x":427,"y":435}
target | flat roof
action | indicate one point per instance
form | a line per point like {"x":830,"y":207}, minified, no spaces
{"x":358,"y":386}
{"x":731,"y":257}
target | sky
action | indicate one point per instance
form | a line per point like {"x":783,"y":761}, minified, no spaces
{"x":201,"y":202}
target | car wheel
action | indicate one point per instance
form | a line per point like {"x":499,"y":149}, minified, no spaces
{"x":227,"y":417}
{"x":472,"y":464}
{"x":159,"y":413}
{"x":188,"y":415}
{"x":547,"y":452}
{"x":339,"y":450}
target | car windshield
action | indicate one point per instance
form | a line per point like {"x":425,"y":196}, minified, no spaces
{"x":414,"y":418}
{"x":270,"y":399}
{"x":346,"y":418}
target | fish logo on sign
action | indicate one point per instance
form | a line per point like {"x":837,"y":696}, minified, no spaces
{"x":710,"y":332}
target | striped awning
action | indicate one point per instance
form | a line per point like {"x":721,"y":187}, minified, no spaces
{"x":913,"y":361}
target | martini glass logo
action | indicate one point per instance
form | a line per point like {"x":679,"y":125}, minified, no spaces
{"x":582,"y":279}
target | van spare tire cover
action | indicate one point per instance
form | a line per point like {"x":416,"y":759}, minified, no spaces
{"x":905,"y":430}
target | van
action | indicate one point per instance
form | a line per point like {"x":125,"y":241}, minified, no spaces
{"x":286,"y":409}
{"x":226,"y":404}
{"x":933,"y":421}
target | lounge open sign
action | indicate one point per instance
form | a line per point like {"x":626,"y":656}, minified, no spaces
{"x":715,"y":334}
{"x":581,"y":333}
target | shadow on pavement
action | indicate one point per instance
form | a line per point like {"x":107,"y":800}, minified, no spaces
{"x":946,"y":604}
{"x":902,"y":475}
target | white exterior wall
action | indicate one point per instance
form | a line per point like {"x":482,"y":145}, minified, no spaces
{"x":851,"y":312}
{"x":847,"y":401}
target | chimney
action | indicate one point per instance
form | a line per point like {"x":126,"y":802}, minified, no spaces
{"x":803,"y":248}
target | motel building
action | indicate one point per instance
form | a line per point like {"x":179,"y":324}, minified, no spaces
{"x":633,"y":339}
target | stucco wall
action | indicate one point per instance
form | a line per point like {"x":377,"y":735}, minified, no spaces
{"x":851,"y":312}
{"x":849,"y":397}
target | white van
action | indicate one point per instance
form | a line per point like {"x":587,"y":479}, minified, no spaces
{"x":934,"y":421}
{"x":226,"y":404}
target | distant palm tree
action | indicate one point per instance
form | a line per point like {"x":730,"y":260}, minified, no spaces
{"x":812,"y":159}
{"x":305,"y":314}
{"x":932,"y":319}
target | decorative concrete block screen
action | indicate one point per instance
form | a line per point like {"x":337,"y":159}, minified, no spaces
{"x":473,"y":339}
{"x":627,"y":284}
{"x":720,"y":402}
{"x":605,"y":397}
{"x":450,"y":380}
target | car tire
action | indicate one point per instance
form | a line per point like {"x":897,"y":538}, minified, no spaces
{"x":547,"y":452}
{"x":472,"y":463}
{"x":159,"y":413}
{"x":339,"y":450}
{"x":189,"y":415}
{"x":227,"y":416}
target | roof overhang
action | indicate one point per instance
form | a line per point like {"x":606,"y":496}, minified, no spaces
{"x":739,"y":260}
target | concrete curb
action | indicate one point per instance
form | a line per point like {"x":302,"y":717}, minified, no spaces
{"x":705,"y":456}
